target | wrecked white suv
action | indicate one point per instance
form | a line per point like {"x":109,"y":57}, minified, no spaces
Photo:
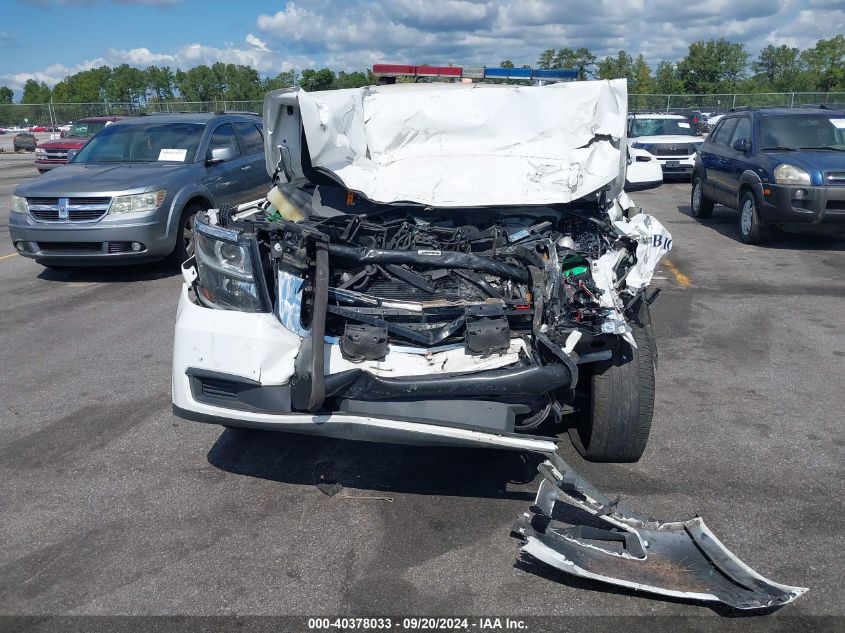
{"x":439,"y":263}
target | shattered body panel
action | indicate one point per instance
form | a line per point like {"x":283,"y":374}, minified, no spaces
{"x":681,"y":559}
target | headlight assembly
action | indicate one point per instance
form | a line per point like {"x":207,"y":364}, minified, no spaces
{"x":138,"y":203}
{"x":791,"y":175}
{"x":225,"y":273}
{"x":19,"y":205}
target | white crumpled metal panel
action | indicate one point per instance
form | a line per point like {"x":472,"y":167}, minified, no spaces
{"x":456,"y":145}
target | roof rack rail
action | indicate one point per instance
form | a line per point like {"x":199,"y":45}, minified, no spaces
{"x":237,"y":112}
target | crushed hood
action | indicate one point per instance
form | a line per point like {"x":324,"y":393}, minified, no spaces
{"x":456,"y":145}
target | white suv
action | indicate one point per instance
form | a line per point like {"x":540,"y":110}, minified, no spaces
{"x":668,"y":137}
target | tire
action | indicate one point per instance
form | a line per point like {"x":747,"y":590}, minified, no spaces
{"x":617,"y":425}
{"x":700,"y":205}
{"x":184,"y":235}
{"x":751,"y":229}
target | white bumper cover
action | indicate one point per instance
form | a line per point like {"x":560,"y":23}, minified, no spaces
{"x":256,"y":346}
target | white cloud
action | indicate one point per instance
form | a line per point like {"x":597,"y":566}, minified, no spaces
{"x":256,"y":43}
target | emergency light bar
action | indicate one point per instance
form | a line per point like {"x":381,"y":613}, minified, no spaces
{"x":474,"y":72}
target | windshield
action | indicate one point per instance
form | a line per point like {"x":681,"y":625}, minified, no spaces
{"x":84,"y":129}
{"x":809,"y":131}
{"x":143,"y":143}
{"x":661,"y":127}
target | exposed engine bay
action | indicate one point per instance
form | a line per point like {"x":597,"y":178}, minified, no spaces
{"x":527,"y":293}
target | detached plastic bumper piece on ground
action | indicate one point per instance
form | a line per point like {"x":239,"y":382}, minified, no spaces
{"x":605,"y":541}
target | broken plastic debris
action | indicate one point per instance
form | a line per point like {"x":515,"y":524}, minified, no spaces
{"x":681,"y":559}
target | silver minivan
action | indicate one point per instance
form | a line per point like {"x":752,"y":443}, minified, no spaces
{"x":131,"y":192}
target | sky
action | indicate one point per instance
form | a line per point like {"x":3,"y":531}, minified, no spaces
{"x":49,"y":39}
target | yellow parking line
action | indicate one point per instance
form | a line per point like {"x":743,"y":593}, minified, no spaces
{"x":681,"y":278}
{"x":7,"y":256}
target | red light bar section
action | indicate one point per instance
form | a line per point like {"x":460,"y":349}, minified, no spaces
{"x":437,"y":71}
{"x":392,"y":69}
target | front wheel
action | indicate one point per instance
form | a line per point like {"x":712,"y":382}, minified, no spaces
{"x":751,"y":229}
{"x":185,"y":234}
{"x":701,"y":205}
{"x":618,"y":423}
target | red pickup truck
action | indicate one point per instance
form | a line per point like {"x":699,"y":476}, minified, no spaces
{"x":54,"y":153}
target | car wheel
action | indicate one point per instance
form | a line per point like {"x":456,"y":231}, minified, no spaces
{"x":701,"y":205}
{"x":751,"y":230}
{"x":617,"y":425}
{"x":185,"y":234}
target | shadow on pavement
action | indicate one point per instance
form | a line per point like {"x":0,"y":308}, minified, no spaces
{"x":108,"y":274}
{"x":725,"y":221}
{"x":332,"y":465}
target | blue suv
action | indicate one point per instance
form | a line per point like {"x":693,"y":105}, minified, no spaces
{"x":777,"y":166}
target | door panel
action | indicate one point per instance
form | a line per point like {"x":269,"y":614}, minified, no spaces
{"x":718,"y":173}
{"x":256,"y":180}
{"x":225,"y":180}
{"x":736,"y":162}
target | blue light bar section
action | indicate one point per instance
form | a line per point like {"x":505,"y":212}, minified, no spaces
{"x":507,"y":73}
{"x":556,"y":74}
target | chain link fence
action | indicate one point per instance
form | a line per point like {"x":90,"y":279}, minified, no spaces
{"x":721,"y":103}
{"x":28,"y":115}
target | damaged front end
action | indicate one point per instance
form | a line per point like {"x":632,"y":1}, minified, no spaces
{"x":473,"y":318}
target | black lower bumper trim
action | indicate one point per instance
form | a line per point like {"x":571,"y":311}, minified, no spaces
{"x":532,"y":380}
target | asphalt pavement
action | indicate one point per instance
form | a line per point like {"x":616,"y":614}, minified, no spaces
{"x":111,"y":505}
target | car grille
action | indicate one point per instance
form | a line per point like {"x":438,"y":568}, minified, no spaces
{"x":835,"y":205}
{"x":666,"y":149}
{"x":55,"y":154}
{"x":70,"y":247}
{"x":78,"y":209}
{"x":836,"y":177}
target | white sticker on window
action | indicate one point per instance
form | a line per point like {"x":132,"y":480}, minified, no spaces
{"x":838,"y":123}
{"x":173,"y":154}
{"x":683,"y":124}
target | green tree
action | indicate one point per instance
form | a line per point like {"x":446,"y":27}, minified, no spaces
{"x":546,"y":59}
{"x":199,"y":83}
{"x":826,"y":64}
{"x":713,"y":66}
{"x":313,"y":80}
{"x":127,"y":84}
{"x":6,"y":94}
{"x":160,"y":82}
{"x":778,"y":69}
{"x":506,"y":63}
{"x":355,"y":79}
{"x":35,"y":92}
{"x":641,"y":81}
{"x":285,"y":79}
{"x":666,"y":79}
{"x":617,"y":67}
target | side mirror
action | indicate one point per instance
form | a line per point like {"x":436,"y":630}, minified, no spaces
{"x":71,"y":153}
{"x":220,"y":155}
{"x":741,"y":145}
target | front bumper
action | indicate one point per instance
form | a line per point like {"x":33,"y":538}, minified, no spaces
{"x":676,"y":165}
{"x":46,"y":164}
{"x":102,"y":242}
{"x":257,"y":352}
{"x":818,"y":205}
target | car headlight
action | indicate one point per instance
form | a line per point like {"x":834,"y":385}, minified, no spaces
{"x":791,"y":175}
{"x":40,"y":152}
{"x":19,"y":205}
{"x":138,"y":203}
{"x":225,"y":276}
